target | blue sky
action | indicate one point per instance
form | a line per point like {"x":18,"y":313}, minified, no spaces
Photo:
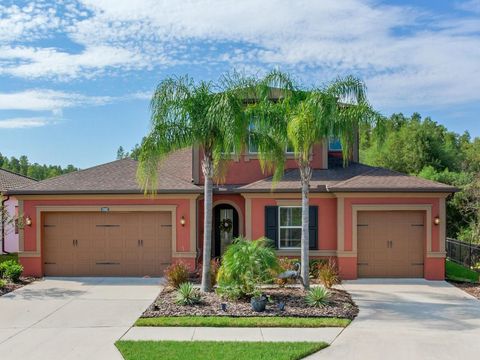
{"x":76,"y":76}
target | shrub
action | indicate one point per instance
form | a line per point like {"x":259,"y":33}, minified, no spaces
{"x":328,"y":274}
{"x":245,"y":266}
{"x":11,"y":270}
{"x":214,"y":266}
{"x":318,"y":296}
{"x":187,"y":294}
{"x":314,"y":267}
{"x":176,"y":274}
{"x":2,"y":283}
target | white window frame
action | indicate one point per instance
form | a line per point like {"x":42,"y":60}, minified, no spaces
{"x":287,"y":227}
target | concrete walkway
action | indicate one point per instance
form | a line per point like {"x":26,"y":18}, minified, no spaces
{"x":408,"y":319}
{"x":233,"y":334}
{"x":71,"y":318}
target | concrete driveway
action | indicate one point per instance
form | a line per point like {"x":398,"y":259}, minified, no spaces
{"x":408,"y":319}
{"x":71,"y":318}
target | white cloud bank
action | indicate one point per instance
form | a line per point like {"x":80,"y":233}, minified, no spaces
{"x":24,"y":122}
{"x":406,"y":55}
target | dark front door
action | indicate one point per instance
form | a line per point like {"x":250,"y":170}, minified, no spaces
{"x":225,"y":225}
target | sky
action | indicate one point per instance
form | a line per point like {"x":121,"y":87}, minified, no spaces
{"x":76,"y":76}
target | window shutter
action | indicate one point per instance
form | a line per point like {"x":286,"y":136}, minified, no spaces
{"x":271,"y":224}
{"x":313,"y":227}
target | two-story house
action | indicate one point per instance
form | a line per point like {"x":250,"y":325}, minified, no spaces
{"x":375,"y":222}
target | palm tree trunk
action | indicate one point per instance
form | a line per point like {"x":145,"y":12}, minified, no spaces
{"x":305,"y":174}
{"x":207,"y":168}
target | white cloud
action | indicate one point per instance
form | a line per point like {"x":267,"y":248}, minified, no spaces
{"x":48,"y":100}
{"x":24,"y":122}
{"x":406,"y":55}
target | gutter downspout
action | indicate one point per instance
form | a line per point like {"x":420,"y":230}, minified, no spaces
{"x":4,"y":200}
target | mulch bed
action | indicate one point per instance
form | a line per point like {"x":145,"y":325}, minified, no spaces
{"x":9,"y":287}
{"x":472,"y":289}
{"x":341,"y":305}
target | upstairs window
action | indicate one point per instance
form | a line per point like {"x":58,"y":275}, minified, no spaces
{"x":252,"y":145}
{"x":334,"y":144}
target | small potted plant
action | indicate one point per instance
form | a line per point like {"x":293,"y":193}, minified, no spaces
{"x":258,"y":301}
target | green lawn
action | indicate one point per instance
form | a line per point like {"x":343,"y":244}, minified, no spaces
{"x":227,"y":321}
{"x":458,"y":272}
{"x":183,"y":350}
{"x":6,"y":257}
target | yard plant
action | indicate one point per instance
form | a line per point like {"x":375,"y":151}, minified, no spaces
{"x":185,"y":113}
{"x":187,"y":294}
{"x":11,"y":270}
{"x":302,"y":117}
{"x":317,"y":296}
{"x":328,"y":274}
{"x":245,"y":266}
{"x":176,"y":274}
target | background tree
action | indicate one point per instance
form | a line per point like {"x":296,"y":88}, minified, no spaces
{"x":23,"y":166}
{"x":184,"y":114}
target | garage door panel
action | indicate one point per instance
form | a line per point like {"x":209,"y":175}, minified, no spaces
{"x":390,"y":243}
{"x":107,"y":244}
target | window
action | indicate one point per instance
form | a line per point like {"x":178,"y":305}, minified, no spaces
{"x":290,"y":227}
{"x":334,"y":144}
{"x":289,"y":149}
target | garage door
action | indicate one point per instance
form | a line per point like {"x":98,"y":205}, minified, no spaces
{"x":106,"y":244}
{"x":390,"y":243}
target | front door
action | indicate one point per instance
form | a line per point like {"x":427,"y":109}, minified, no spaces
{"x":225,"y":225}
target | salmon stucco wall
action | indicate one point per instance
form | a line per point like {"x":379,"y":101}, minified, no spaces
{"x":246,"y":168}
{"x":33,"y":264}
{"x":327,"y":218}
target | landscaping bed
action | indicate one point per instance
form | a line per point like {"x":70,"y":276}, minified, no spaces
{"x":340,"y":305}
{"x":471,"y":288}
{"x":11,"y":286}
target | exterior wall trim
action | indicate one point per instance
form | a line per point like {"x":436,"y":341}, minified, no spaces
{"x":390,"y":194}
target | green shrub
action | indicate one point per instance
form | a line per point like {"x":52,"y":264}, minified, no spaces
{"x":245,"y":266}
{"x":317,"y":296}
{"x":2,"y":283}
{"x":187,"y":294}
{"x":328,"y":274}
{"x":176,"y":274}
{"x":11,"y":270}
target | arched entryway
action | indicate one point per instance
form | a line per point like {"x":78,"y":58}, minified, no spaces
{"x":225,"y":228}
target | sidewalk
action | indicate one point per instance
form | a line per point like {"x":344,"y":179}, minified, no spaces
{"x":327,"y":334}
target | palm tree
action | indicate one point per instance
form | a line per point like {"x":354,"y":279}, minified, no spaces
{"x":304,"y":117}
{"x":183,"y":114}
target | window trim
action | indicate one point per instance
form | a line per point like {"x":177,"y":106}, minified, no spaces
{"x":287,"y":227}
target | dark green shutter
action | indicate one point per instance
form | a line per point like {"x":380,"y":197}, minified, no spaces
{"x":271,"y":224}
{"x":313,"y":227}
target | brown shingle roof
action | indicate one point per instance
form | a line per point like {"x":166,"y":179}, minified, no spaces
{"x":353,"y":178}
{"x":10,"y":180}
{"x":119,"y":177}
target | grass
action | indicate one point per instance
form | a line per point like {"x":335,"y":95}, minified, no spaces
{"x":458,"y":272}
{"x":180,"y":350}
{"x":5,"y":257}
{"x":227,"y":321}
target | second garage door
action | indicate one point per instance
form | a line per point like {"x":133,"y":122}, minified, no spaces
{"x":107,"y":244}
{"x":390,"y":243}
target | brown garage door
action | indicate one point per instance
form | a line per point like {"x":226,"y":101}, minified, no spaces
{"x":390,"y":243}
{"x":106,"y":244}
